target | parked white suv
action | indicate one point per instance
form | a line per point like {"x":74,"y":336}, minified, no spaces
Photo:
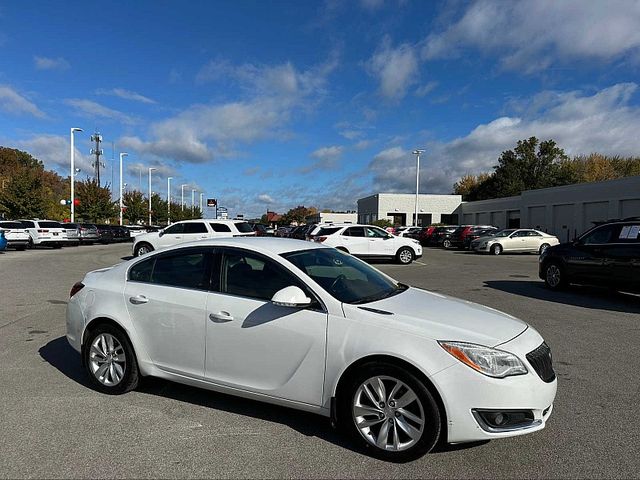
{"x":16,"y":235}
{"x":189,"y":231}
{"x":45,"y":232}
{"x":368,"y":241}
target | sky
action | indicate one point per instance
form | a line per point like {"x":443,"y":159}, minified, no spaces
{"x":266,"y":105}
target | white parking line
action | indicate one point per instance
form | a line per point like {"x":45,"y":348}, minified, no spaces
{"x":421,"y":263}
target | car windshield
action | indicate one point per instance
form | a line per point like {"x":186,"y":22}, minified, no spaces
{"x":344,"y":277}
{"x":504,"y":233}
{"x":49,"y":225}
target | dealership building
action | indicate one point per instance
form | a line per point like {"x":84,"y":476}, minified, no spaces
{"x":563,"y":211}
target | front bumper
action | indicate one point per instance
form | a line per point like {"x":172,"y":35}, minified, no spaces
{"x":465,"y":392}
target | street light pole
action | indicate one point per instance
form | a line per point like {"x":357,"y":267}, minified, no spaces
{"x":182,"y":196}
{"x":417,"y":154}
{"x":73,"y":174}
{"x":193,"y":191}
{"x":169,"y":200}
{"x":201,"y":214}
{"x":151,"y":169}
{"x":123,"y":154}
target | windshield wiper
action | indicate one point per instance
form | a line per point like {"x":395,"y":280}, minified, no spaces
{"x":374,"y":298}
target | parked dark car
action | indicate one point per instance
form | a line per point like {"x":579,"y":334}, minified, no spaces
{"x":425,"y":235}
{"x":460,"y":234}
{"x":477,"y":234}
{"x":608,"y":255}
{"x":300,"y":232}
{"x":260,"y":229}
{"x":441,"y":236}
{"x":120,"y":234}
{"x":105,"y":234}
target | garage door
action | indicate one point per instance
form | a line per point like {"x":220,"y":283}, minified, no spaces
{"x":630,"y":208}
{"x":563,"y":223}
{"x":467,"y":219}
{"x":513,"y":219}
{"x":594,"y":212}
{"x":483,"y":218}
{"x":538,"y":218}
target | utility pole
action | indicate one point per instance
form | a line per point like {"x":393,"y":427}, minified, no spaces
{"x":417,"y":154}
{"x":97,"y":151}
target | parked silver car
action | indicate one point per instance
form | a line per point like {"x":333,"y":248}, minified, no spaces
{"x":514,"y":240}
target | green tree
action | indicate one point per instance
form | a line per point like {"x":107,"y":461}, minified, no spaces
{"x":95,"y":202}
{"x":135,"y":207}
{"x":22,"y":195}
{"x":158,"y":209}
{"x":383,"y":223}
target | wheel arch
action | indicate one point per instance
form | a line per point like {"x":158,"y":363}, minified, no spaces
{"x":342,"y":249}
{"x":348,"y":373}
{"x":97,"y":322}
{"x":143,"y":242}
{"x":413,"y":251}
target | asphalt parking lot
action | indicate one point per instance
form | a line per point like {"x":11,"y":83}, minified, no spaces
{"x":53,"y":425}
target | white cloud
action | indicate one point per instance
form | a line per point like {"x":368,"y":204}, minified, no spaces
{"x":126,"y":94}
{"x":53,"y":151}
{"x":93,"y":110}
{"x":396,"y":68}
{"x":46,"y":63}
{"x":371,"y":5}
{"x":581,"y":123}
{"x":201,"y":133}
{"x":326,"y":159}
{"x":12,"y":102}
{"x":264,"y":198}
{"x":426,"y":88}
{"x":531,"y":35}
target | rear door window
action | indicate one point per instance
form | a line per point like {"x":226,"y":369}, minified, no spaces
{"x":195,"y":227}
{"x":243,"y":227}
{"x":190,"y":269}
{"x":354,"y":232}
{"x":220,"y":227}
{"x":324,"y":231}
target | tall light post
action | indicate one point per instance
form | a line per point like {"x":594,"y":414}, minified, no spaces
{"x":182,"y":196}
{"x":201,"y":214}
{"x":122,"y":155}
{"x":193,"y":191}
{"x":151,"y":169}
{"x":73,"y":175}
{"x":417,"y":154}
{"x":169,"y":200}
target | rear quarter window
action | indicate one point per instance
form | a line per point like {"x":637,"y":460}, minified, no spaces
{"x":244,"y":227}
{"x":220,"y":227}
{"x":12,"y":225}
{"x":327,"y":231}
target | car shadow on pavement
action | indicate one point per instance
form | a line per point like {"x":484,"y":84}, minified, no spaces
{"x":65,"y":359}
{"x":59,"y":354}
{"x":579,"y":296}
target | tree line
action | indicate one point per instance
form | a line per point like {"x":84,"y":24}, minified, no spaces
{"x":535,"y":164}
{"x":28,"y":190}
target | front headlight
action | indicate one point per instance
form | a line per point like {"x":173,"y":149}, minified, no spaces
{"x":489,"y":361}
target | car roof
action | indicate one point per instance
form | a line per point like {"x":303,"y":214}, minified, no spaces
{"x":220,"y":220}
{"x":274,"y":245}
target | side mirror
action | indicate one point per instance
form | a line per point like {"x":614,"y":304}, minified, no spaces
{"x":160,"y":232}
{"x":291,"y":297}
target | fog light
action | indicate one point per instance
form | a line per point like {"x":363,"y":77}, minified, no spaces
{"x":504,"y":420}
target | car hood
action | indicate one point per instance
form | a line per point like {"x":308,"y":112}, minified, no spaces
{"x":149,"y":236}
{"x":440,"y":317}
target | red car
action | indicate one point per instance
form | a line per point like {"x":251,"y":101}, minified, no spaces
{"x":425,"y":235}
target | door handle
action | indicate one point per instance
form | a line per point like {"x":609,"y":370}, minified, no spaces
{"x":178,"y":238}
{"x":220,"y":317}
{"x":138,"y":299}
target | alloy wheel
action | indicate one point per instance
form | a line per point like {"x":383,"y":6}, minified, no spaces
{"x":406,"y":256}
{"x":107,"y":359}
{"x":388,"y":413}
{"x":553,"y":275}
{"x":142,"y":249}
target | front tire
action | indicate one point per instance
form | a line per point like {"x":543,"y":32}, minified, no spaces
{"x":110,"y":361}
{"x":555,"y":277}
{"x":542,"y":248}
{"x":389,"y":412}
{"x":405,"y":256}
{"x":496,"y":249}
{"x":142,"y":248}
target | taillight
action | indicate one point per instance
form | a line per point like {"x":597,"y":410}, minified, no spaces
{"x":320,"y":239}
{"x":76,"y":288}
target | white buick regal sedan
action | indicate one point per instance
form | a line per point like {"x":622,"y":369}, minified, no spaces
{"x":309,"y":327}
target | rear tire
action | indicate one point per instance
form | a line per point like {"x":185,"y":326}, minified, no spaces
{"x":400,"y":420}
{"x":496,"y":249}
{"x":110,"y":361}
{"x":405,"y":256}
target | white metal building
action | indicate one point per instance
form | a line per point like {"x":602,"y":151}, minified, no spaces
{"x":399,"y":208}
{"x":565,"y":211}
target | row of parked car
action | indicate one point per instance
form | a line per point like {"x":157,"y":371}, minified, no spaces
{"x":31,"y":233}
